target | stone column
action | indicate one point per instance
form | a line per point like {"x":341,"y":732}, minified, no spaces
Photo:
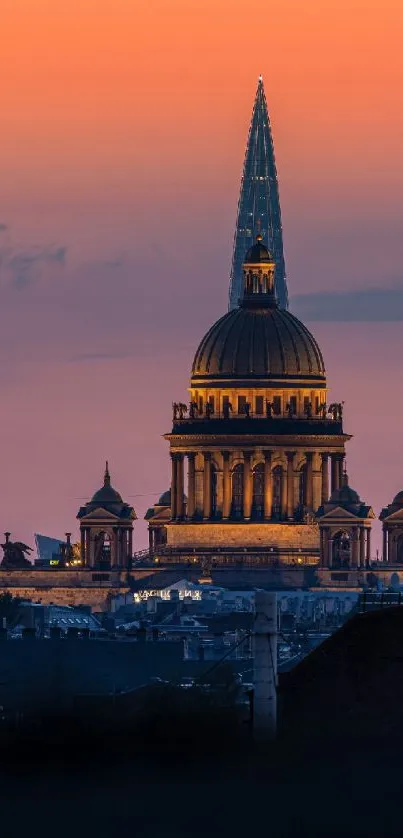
{"x":268,"y":486}
{"x":173,"y":487}
{"x":362,"y":547}
{"x":325,"y":478}
{"x":290,"y":483}
{"x":368,"y":547}
{"x":321,"y":545}
{"x":88,"y":558}
{"x":335,"y":472}
{"x":130,"y":550}
{"x":207,"y":486}
{"x":354,"y":551}
{"x":226,"y":507}
{"x":191,"y":507}
{"x":309,"y":480}
{"x":385,"y":546}
{"x":340,"y":467}
{"x":82,"y":546}
{"x":179,"y":485}
{"x":247,"y":485}
{"x":283,"y":510}
{"x":115,"y":558}
{"x":330,"y":550}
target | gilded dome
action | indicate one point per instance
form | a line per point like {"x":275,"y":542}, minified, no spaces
{"x":254,"y":342}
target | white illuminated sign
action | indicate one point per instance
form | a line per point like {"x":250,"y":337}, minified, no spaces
{"x":141,"y":596}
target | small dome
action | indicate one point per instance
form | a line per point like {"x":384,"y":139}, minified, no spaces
{"x":345,"y":496}
{"x":398,"y":499}
{"x":253,"y":342}
{"x":107,"y":495}
{"x":258,"y":252}
{"x":165,"y":499}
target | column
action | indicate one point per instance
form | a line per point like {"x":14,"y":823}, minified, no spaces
{"x":268,"y":486}
{"x":115,"y":558}
{"x":173,"y":487}
{"x":321,"y":545}
{"x":290,"y":483}
{"x":325,"y":478}
{"x":330,"y":549}
{"x":247,"y":486}
{"x":179,"y":485}
{"x":82,"y":546}
{"x":335,"y":472}
{"x":368,"y":546}
{"x":130,"y":550}
{"x":385,"y":546}
{"x":340,"y":467}
{"x":226,"y":507}
{"x":354,"y":551}
{"x":88,"y":558}
{"x":191,"y":507}
{"x":283,"y":510}
{"x":362,"y":547}
{"x":207,"y":486}
{"x":309,"y":480}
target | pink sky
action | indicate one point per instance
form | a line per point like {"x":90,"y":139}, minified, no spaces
{"x":125,"y":128}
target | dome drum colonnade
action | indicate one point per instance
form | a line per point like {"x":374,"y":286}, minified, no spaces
{"x":300,"y":478}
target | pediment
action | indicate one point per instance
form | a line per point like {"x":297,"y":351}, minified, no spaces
{"x":100,"y":515}
{"x":339,"y":513}
{"x":161,"y":515}
{"x":395,"y":517}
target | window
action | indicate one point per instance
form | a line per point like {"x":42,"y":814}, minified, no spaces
{"x":200,"y":404}
{"x":316,"y":405}
{"x":211,"y":403}
{"x":237,"y":491}
{"x":307,"y":402}
{"x":277,"y":487}
{"x":259,"y":405}
{"x":241,"y":404}
{"x":258,"y":491}
{"x":293,"y":405}
{"x":277,"y":405}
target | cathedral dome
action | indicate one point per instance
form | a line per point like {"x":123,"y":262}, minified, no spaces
{"x":252,"y":342}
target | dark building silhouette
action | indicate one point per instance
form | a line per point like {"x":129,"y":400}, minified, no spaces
{"x":259,"y":203}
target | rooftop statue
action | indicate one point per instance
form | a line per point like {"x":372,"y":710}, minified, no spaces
{"x":14,"y":554}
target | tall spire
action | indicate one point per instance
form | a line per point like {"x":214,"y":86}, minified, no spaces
{"x":259,"y":203}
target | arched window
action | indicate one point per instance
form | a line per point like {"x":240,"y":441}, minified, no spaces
{"x":341,"y":550}
{"x":277,"y":488}
{"x":258,"y":491}
{"x":237,"y":491}
{"x":102,"y":549}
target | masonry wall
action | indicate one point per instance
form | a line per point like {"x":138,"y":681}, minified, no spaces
{"x":285,"y":536}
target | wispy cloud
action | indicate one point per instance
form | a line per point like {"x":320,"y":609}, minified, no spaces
{"x":365,"y":305}
{"x":3,"y":227}
{"x":20,"y":266}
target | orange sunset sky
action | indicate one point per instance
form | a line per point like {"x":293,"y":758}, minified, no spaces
{"x":123,"y":133}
